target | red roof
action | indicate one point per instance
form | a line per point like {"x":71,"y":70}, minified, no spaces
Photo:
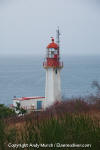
{"x":53,"y":45}
{"x":28,"y":98}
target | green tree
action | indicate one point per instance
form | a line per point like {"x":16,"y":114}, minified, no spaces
{"x":6,"y":111}
{"x":20,"y":110}
{"x":2,"y":135}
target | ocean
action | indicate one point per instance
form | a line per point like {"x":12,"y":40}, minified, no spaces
{"x":25,"y":76}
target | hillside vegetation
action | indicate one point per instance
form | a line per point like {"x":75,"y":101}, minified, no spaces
{"x":68,"y":122}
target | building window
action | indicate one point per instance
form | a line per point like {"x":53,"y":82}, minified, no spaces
{"x":39,"y":105}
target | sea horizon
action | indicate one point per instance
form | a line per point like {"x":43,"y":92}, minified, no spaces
{"x":24,"y":75}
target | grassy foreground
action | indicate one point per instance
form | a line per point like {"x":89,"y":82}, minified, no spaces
{"x":67,"y":123}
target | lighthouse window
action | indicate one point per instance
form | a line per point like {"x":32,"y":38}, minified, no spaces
{"x":56,"y":52}
{"x":56,"y":71}
{"x":49,"y":54}
{"x":52,"y":54}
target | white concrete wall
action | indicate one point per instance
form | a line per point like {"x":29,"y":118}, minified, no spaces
{"x":57,"y":85}
{"x":53,"y":86}
{"x":28,"y":104}
{"x":49,"y":87}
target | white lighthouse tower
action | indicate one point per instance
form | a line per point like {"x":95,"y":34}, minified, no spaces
{"x":53,"y":67}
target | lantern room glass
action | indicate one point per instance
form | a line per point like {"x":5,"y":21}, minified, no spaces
{"x":51,"y":52}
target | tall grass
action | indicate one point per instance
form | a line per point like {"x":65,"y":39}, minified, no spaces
{"x":66,"y":123}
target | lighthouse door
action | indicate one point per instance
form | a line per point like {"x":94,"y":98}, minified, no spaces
{"x":39,"y":105}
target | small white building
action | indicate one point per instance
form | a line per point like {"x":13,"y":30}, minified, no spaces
{"x":30,"y":103}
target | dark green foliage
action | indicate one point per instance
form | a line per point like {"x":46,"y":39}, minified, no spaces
{"x":6,"y":112}
{"x":2,"y":135}
{"x":19,"y":109}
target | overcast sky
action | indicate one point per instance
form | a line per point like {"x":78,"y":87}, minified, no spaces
{"x":27,"y":25}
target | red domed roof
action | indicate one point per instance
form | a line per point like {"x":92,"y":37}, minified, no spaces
{"x":53,"y":45}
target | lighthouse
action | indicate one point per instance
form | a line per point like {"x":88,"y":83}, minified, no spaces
{"x":53,"y":66}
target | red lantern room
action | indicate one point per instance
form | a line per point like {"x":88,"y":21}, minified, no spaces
{"x":52,"y":56}
{"x":53,"y":45}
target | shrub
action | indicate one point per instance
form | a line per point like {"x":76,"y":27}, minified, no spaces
{"x":6,"y":112}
